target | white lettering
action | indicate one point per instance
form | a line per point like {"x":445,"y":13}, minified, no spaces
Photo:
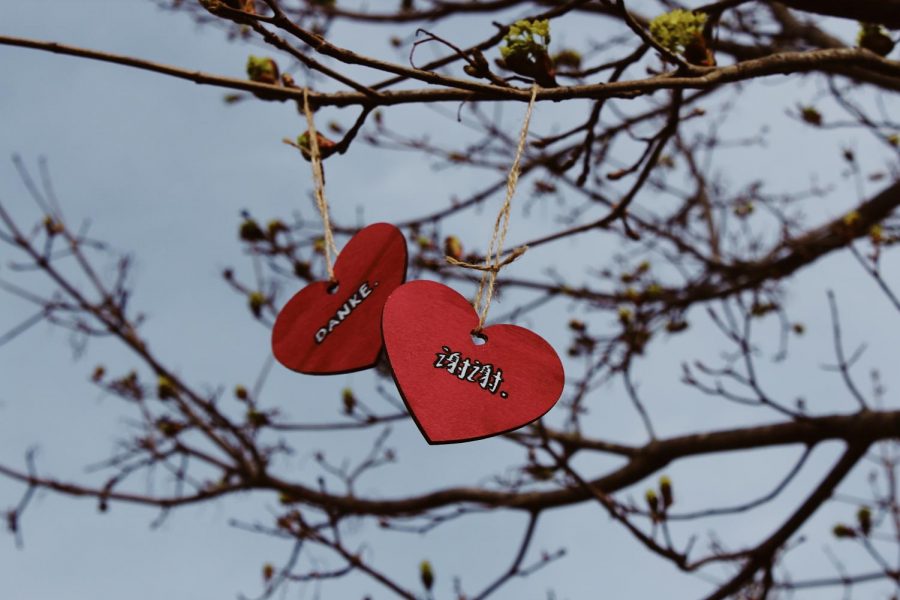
{"x":466,"y":363}
{"x":439,"y":363}
{"x":452,"y":362}
{"x":344,"y":311}
{"x":485,"y":376}
{"x":467,"y":369}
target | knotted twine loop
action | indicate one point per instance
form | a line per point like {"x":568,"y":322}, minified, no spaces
{"x":315,"y":160}
{"x":492,"y":263}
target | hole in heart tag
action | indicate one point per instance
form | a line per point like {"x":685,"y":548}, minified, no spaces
{"x":335,"y":327}
{"x":455,"y":389}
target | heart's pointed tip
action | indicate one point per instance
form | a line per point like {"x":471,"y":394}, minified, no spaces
{"x":449,"y":440}
{"x":446,"y":441}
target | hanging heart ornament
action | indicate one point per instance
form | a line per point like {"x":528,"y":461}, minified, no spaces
{"x":329,"y":328}
{"x":456,"y":389}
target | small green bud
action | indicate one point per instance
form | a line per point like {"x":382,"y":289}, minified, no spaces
{"x":842,"y":531}
{"x":652,"y":501}
{"x":262,"y":69}
{"x":677,"y":29}
{"x":256,"y":301}
{"x":526,"y":37}
{"x":453,"y":247}
{"x":666,"y":161}
{"x":256,"y":418}
{"x":424,"y":242}
{"x":52,"y":226}
{"x":426,"y":574}
{"x":876,"y":234}
{"x":250,"y":231}
{"x":240,"y":392}
{"x":864,"y":519}
{"x":851,"y":218}
{"x":98,"y":374}
{"x":165,"y":388}
{"x":875,"y":38}
{"x":811,"y":115}
{"x":665,"y":489}
{"x":544,"y":186}
{"x":760,"y":309}
{"x":349,"y":401}
{"x":302,"y":269}
{"x":743,"y":209}
{"x":524,"y":51}
{"x":568,"y":58}
{"x":168,"y":427}
{"x":326,"y":146}
{"x":676,"y":325}
{"x":275,"y":227}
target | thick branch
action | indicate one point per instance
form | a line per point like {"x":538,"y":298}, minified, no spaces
{"x":863,"y":427}
{"x":827,"y":60}
{"x":764,"y":553}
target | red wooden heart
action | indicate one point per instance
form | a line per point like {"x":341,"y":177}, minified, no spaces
{"x":457,"y":390}
{"x":326,"y":329}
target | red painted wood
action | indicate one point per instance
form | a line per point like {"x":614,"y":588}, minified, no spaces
{"x":423,"y":317}
{"x":376,"y":258}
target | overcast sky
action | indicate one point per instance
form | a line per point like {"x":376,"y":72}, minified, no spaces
{"x":161,"y":168}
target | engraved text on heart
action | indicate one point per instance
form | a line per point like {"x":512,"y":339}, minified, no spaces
{"x":466,"y":369}
{"x":345,"y":310}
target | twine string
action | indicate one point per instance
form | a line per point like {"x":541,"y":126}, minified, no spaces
{"x":513,"y":255}
{"x":315,"y":160}
{"x":492,"y":262}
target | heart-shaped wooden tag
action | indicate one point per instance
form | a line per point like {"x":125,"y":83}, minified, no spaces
{"x":328,"y":328}
{"x":455,"y":389}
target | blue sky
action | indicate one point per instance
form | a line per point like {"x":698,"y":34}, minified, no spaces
{"x":162,"y":168}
